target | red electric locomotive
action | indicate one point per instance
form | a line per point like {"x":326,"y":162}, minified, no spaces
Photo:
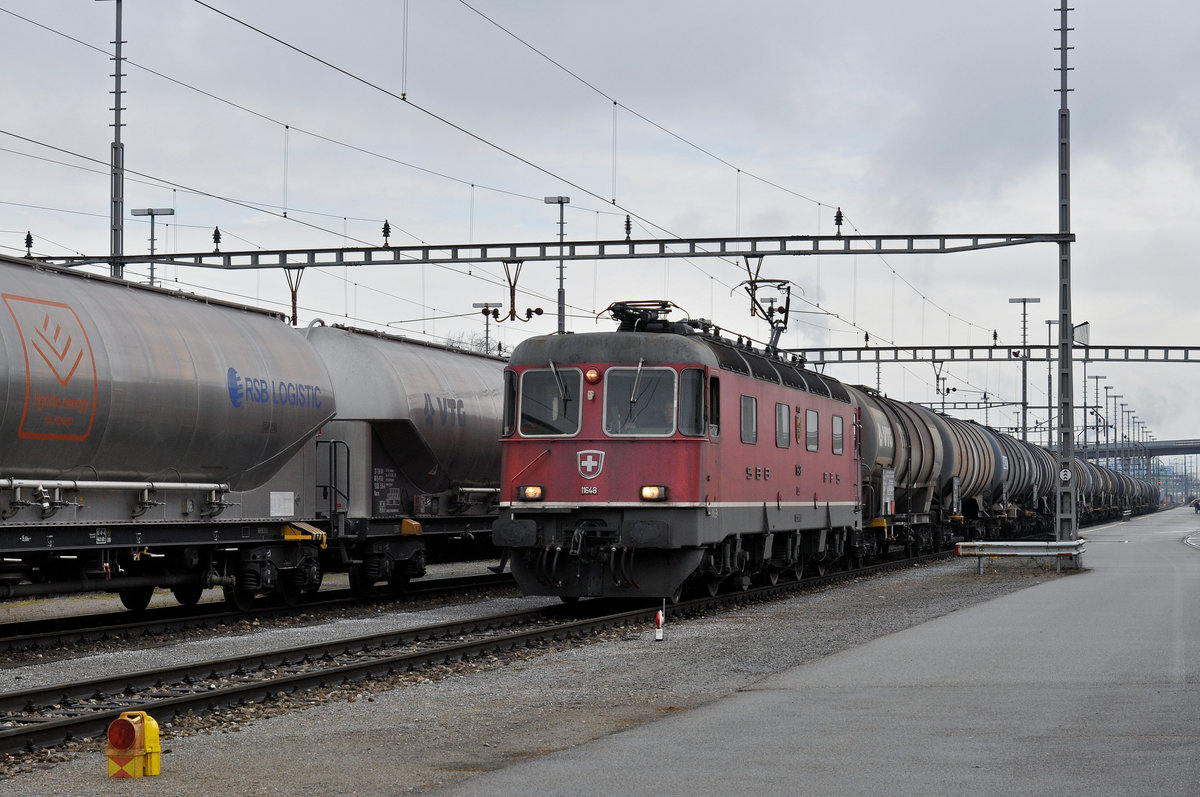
{"x":637,"y":460}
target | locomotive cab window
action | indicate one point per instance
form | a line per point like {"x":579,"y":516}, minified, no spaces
{"x":639,"y":402}
{"x":811,"y":438}
{"x":838,"y":444}
{"x":749,"y":419}
{"x":691,"y":402}
{"x":550,"y":402}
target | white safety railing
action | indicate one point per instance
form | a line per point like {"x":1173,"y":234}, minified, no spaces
{"x":982,"y":548}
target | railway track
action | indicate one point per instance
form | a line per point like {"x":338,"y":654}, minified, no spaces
{"x":56,"y":632}
{"x":48,"y":716}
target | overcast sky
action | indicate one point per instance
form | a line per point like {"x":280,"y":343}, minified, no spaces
{"x":699,"y":118}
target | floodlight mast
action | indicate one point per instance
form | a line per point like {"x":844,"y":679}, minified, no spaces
{"x":1067,"y":524}
{"x":117,"y":200}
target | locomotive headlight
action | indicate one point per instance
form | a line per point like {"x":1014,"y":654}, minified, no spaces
{"x":592,"y":376}
{"x":530,"y":492}
{"x":654,"y":492}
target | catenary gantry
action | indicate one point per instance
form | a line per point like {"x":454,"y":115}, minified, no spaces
{"x":755,"y":246}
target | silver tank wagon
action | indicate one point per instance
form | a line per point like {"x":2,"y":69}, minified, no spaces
{"x":103,"y":381}
{"x":416,"y":437}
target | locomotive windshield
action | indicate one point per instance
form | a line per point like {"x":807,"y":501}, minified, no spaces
{"x":639,"y":401}
{"x":550,"y":402}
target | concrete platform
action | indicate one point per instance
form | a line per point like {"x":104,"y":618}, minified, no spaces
{"x":1086,"y":685}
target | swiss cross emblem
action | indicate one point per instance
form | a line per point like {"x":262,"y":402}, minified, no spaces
{"x":590,"y":463}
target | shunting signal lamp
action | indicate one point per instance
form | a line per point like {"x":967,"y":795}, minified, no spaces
{"x":134,"y":749}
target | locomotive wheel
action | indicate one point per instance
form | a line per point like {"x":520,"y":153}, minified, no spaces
{"x":798,"y":571}
{"x":187,"y":594}
{"x":713,"y":586}
{"x":241,"y":600}
{"x":136,"y":599}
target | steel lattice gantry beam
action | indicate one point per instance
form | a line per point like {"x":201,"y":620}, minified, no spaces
{"x":1151,"y":448}
{"x":760,"y":246}
{"x":910,"y":354}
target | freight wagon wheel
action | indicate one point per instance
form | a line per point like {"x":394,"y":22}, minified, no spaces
{"x":187,"y":594}
{"x":241,"y":600}
{"x":359,"y":585}
{"x":135,"y":599}
{"x":287,"y":590}
{"x":398,"y":583}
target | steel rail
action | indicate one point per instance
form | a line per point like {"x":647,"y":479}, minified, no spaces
{"x":46,"y":634}
{"x":26,"y":732}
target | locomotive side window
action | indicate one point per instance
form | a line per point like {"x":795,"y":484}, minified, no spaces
{"x":691,"y":402}
{"x":811,"y":438}
{"x":639,"y":402}
{"x":838,"y":445}
{"x":550,"y":402}
{"x":783,"y":431}
{"x":510,"y":404}
{"x":749,"y":419}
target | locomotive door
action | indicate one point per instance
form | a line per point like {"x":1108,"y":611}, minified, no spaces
{"x":710,"y":465}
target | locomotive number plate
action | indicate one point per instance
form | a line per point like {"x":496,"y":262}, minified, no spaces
{"x":588,"y":490}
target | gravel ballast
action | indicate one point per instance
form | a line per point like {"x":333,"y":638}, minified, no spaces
{"x":424,"y":730}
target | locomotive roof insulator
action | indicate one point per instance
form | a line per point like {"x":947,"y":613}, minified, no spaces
{"x":647,"y":315}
